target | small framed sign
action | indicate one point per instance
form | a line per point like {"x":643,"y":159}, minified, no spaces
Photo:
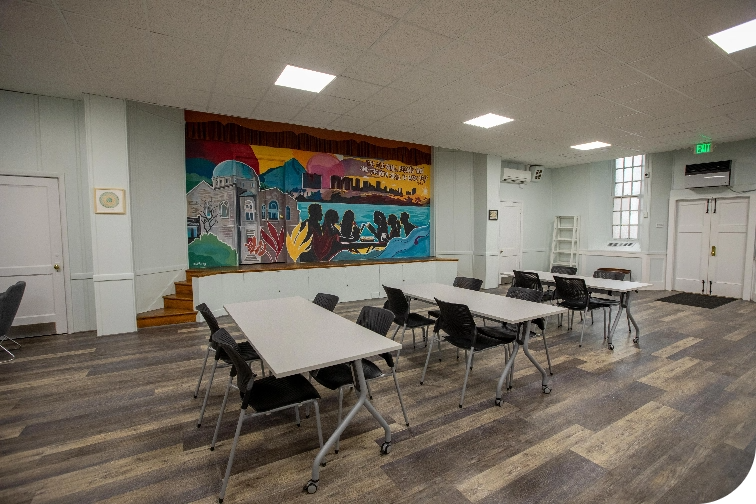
{"x":493,"y":215}
{"x":110,"y":201}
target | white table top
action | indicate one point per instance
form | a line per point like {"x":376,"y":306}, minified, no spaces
{"x":592,"y":283}
{"x":490,"y":306}
{"x":294,"y":335}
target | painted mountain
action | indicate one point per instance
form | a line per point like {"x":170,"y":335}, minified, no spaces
{"x":287,"y":177}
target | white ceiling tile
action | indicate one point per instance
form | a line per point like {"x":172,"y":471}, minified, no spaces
{"x":596,"y":107}
{"x":732,"y":87}
{"x":348,"y":123}
{"x":351,"y":24}
{"x":610,"y":80}
{"x":258,"y":40}
{"x":408,"y":44}
{"x":332,"y":104}
{"x":739,"y":110}
{"x":255,"y":71}
{"x":502,"y":31}
{"x":180,"y":61}
{"x":418,"y":81}
{"x":392,"y":98}
{"x":102,"y":35}
{"x":396,"y":8}
{"x":269,"y":111}
{"x":323,"y":56}
{"x":534,"y":85}
{"x":370,"y":111}
{"x":707,"y":18}
{"x":450,"y":18}
{"x":314,"y":118}
{"x":559,"y":11}
{"x":140,"y":91}
{"x":126,"y":65}
{"x":745,"y":58}
{"x":663,"y":104}
{"x":182,"y":97}
{"x":46,"y":59}
{"x":350,"y":89}
{"x":188,"y":21}
{"x":294,"y":15}
{"x":30,"y":20}
{"x":376,"y":70}
{"x":457,"y":59}
{"x":497,"y":73}
{"x":636,"y":91}
{"x":239,"y":86}
{"x":584,"y":63}
{"x":297,"y":97}
{"x":127,"y":12}
{"x":231,"y":105}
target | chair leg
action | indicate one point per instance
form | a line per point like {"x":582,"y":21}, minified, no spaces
{"x":467,"y":373}
{"x":399,"y":393}
{"x":397,"y":330}
{"x":548,"y":359}
{"x":296,"y":414}
{"x":204,"y":365}
{"x":317,"y":422}
{"x":8,"y":338}
{"x":338,"y":424}
{"x":207,"y":394}
{"x":425,"y":368}
{"x":370,"y":393}
{"x":583,"y":330}
{"x":413,"y":339}
{"x":404,"y":330}
{"x":591,"y":317}
{"x":9,"y":353}
{"x":231,"y":456}
{"x":220,"y":415}
{"x":439,"y":347}
{"x":262,"y":368}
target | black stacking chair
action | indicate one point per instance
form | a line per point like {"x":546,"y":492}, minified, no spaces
{"x":514,"y":329}
{"x":550,"y":295}
{"x":527,"y":280}
{"x":245,"y":350}
{"x":459,"y":325}
{"x":403,"y":318}
{"x":575,"y":296}
{"x":9,"y":303}
{"x":263,"y":396}
{"x":327,"y":301}
{"x":472,"y":284}
{"x":340,"y":377}
{"x":609,"y":302}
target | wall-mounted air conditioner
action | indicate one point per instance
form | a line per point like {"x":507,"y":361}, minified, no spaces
{"x":515,"y":176}
{"x":714,"y":174}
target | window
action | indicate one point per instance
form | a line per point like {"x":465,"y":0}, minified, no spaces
{"x":628,"y":182}
{"x":249,"y":210}
{"x":224,"y":209}
{"x":273,"y":210}
{"x":262,"y":211}
{"x":288,"y":213}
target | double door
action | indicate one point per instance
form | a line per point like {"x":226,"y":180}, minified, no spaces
{"x":710,"y":247}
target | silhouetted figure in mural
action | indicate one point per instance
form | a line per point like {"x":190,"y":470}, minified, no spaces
{"x":381,"y":230}
{"x":393,"y":223}
{"x":314,"y":215}
{"x":350,"y":231}
{"x":327,"y":244}
{"x":408,"y":226}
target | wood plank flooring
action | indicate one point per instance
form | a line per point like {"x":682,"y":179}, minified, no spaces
{"x":86,"y":419}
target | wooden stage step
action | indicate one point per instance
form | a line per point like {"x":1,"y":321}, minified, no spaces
{"x":165,"y":316}
{"x":178,"y":301}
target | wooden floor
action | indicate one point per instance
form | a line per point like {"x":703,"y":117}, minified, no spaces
{"x":112,"y":419}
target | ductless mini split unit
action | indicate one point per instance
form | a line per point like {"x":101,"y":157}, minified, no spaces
{"x":512,"y":176}
{"x":714,"y":174}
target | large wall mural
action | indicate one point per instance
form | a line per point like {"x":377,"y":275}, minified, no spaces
{"x":250,"y":204}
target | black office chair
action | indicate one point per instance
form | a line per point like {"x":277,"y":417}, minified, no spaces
{"x":459,"y":325}
{"x":403,"y":318}
{"x":9,"y":303}
{"x":472,"y":284}
{"x":327,"y":301}
{"x":608,"y":301}
{"x":264,"y":396}
{"x":340,"y":377}
{"x":575,"y":296}
{"x":245,"y":350}
{"x":527,"y":280}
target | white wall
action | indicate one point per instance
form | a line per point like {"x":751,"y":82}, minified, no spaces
{"x":44,"y":136}
{"x":158,"y":201}
{"x":453,"y":207}
{"x":486,"y":177}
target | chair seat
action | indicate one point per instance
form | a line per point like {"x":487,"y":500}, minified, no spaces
{"x":481,"y":342}
{"x":604,"y":301}
{"x":580,"y":307}
{"x":503,"y":334}
{"x":434,"y":313}
{"x":340,"y":375}
{"x":415,"y":320}
{"x":270,"y":393}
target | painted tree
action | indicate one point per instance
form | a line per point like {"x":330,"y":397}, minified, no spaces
{"x":209,"y":216}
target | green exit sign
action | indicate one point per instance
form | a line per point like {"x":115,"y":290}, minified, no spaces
{"x":703,"y":148}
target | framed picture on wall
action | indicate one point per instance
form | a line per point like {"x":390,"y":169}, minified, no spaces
{"x":493,"y":215}
{"x":110,"y":201}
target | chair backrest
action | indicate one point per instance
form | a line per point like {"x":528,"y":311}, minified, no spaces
{"x":525,"y":294}
{"x":377,"y":320}
{"x":9,"y":303}
{"x":472,"y":284}
{"x":398,"y":304}
{"x":609,"y":274}
{"x":564,"y":270}
{"x":572,"y":290}
{"x":327,"y":301}
{"x":458,"y":321}
{"x":207,"y":314}
{"x":244,"y":375}
{"x":528,"y":280}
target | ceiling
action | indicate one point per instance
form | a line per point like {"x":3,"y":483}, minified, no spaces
{"x":640,"y":75}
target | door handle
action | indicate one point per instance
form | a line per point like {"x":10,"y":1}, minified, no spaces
{"x":703,"y":286}
{"x":713,"y":250}
{"x":710,"y":282}
{"x":56,"y":267}
{"x":715,"y":205}
{"x":707,"y":206}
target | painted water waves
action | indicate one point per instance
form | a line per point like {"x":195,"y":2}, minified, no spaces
{"x":249,"y":204}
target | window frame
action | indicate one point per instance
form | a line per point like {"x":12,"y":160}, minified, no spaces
{"x":626,"y":206}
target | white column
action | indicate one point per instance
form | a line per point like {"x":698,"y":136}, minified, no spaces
{"x":108,"y":167}
{"x":486,"y":177}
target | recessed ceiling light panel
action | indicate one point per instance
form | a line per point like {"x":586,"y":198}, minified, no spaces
{"x":736,"y":38}
{"x":489,"y":120}
{"x":301,"y":78}
{"x":590,"y":145}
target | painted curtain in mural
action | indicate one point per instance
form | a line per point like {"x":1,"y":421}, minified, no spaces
{"x":249,"y":204}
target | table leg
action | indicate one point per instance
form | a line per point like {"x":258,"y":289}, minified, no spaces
{"x":636,"y":340}
{"x":624,"y":305}
{"x":545,"y":384}
{"x":312,"y":485}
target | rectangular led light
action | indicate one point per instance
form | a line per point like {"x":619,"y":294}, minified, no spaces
{"x":736,"y":38}
{"x":489,"y":120}
{"x":590,"y":145}
{"x":301,"y":78}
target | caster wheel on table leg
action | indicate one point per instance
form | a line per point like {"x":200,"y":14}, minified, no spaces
{"x":497,"y":402}
{"x":385,"y":448}
{"x":546,"y":389}
{"x":311,"y":487}
{"x":611,"y":346}
{"x":635,"y":340}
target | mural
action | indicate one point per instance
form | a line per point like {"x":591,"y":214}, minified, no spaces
{"x":249,"y":204}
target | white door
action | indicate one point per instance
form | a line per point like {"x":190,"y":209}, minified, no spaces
{"x":729,"y":222}
{"x":31,"y":246}
{"x":510,"y":236}
{"x":692,"y":246}
{"x":710,"y":246}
